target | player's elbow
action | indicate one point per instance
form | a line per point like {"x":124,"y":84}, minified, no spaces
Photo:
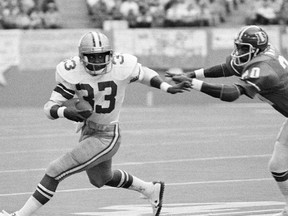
{"x":228,"y":98}
{"x":230,"y":93}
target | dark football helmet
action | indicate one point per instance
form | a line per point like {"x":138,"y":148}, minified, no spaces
{"x":250,"y":41}
{"x":95,"y":53}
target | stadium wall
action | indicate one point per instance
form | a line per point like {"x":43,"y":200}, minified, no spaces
{"x":28,"y":59}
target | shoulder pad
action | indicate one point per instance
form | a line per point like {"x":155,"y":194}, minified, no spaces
{"x":71,"y":70}
{"x":259,"y":58}
{"x":266,"y":56}
{"x":124,"y":65}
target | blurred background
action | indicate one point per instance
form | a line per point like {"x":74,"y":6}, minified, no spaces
{"x":35,"y":35}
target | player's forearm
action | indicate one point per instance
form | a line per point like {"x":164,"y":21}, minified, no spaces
{"x":53,"y":111}
{"x":153,"y":79}
{"x":157,"y":82}
{"x":227,"y":93}
{"x":213,"y":72}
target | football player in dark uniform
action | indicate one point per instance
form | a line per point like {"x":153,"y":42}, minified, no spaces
{"x":262,"y":72}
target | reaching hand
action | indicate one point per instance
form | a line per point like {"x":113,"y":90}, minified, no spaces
{"x":180,"y":87}
{"x":76,"y":115}
{"x":181,"y":78}
{"x":174,"y":72}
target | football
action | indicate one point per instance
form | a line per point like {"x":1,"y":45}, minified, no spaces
{"x":78,"y":103}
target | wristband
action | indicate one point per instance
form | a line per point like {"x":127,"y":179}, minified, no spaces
{"x":60,"y":111}
{"x":197,"y":84}
{"x":164,"y":86}
{"x":199,"y":73}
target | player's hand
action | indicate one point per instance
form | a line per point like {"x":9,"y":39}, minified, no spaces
{"x":173,"y":72}
{"x":77,"y":115}
{"x":180,"y":87}
{"x":181,"y":78}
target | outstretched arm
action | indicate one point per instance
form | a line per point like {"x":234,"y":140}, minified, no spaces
{"x":213,"y":72}
{"x":152,"y":78}
{"x":224,"y":92}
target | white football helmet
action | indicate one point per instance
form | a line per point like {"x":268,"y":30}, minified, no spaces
{"x":95,"y":53}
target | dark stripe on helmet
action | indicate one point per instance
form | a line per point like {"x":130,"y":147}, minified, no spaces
{"x":93,"y":39}
{"x":99,"y":39}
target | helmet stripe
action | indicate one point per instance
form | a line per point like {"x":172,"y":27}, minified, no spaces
{"x":242,"y":31}
{"x":99,"y":39}
{"x":245,"y":28}
{"x":96,"y":38}
{"x":93,"y":39}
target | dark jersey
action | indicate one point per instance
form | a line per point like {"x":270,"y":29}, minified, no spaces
{"x":267,"y":76}
{"x":232,"y":69}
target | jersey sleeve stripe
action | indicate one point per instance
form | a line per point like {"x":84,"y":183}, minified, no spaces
{"x":254,"y":85}
{"x":66,"y":93}
{"x":66,"y":89}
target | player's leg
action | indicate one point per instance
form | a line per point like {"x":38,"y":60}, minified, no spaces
{"x":85,"y":155}
{"x":278,"y":164}
{"x":64,"y":166}
{"x":101,"y":174}
{"x":153,"y":191}
{"x":46,"y":187}
{"x":43,"y":193}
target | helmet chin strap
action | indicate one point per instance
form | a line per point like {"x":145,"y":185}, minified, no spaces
{"x":96,"y":69}
{"x":95,"y":72}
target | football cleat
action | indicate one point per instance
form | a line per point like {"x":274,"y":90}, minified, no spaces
{"x":156,"y":197}
{"x":4,"y":213}
{"x":283,"y":213}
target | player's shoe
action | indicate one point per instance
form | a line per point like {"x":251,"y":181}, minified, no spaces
{"x":156,"y":197}
{"x":283,"y":213}
{"x":4,"y":213}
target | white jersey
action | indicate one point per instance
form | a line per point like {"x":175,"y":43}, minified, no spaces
{"x":104,"y":92}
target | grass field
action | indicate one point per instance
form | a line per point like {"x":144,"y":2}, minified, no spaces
{"x":213,"y":159}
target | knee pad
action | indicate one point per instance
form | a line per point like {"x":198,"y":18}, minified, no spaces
{"x":279,"y":160}
{"x":54,"y":169}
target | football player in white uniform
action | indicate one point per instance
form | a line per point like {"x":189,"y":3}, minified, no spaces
{"x":100,"y":77}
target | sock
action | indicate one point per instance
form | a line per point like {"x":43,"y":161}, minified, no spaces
{"x":120,"y":179}
{"x":43,"y":193}
{"x":281,"y":179}
{"x":146,"y":188}
{"x":125,"y":180}
{"x":29,"y":208}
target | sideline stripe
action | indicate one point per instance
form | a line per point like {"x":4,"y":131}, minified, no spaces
{"x":208,"y":139}
{"x":158,"y":162}
{"x":235,"y":128}
{"x":167,"y":184}
{"x":248,"y":212}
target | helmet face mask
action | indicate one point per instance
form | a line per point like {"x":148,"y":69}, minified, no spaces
{"x":96,"y":61}
{"x":250,"y":41}
{"x":95,"y":53}
{"x":243,"y":53}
